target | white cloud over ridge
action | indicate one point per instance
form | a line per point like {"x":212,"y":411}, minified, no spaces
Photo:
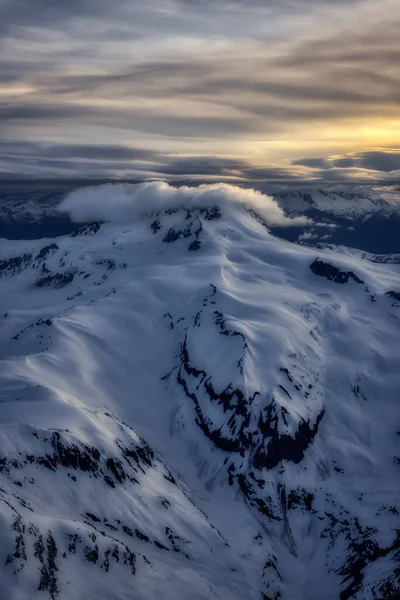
{"x":123,"y":202}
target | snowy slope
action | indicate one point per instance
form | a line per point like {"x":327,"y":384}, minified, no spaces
{"x":191,"y":407}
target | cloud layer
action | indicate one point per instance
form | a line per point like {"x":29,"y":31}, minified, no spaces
{"x":244,"y":88}
{"x":124,"y":203}
{"x":381,"y":166}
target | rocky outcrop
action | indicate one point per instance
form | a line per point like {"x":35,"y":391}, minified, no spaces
{"x":89,"y":229}
{"x":325,"y":269}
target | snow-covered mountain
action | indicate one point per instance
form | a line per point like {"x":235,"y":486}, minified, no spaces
{"x":363,"y":218}
{"x":349,"y":204}
{"x":32,"y":214}
{"x":191,"y":407}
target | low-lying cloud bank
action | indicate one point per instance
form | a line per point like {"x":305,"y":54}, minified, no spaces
{"x":122,"y":203}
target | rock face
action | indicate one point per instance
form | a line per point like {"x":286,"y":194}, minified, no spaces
{"x":394,"y":295}
{"x":11,"y":266}
{"x":56,"y":280}
{"x":189,"y":408}
{"x":324,"y":269}
{"x":89,"y":229}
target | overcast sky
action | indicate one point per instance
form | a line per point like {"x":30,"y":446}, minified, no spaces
{"x":258,"y":90}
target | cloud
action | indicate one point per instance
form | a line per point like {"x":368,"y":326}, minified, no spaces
{"x":102,"y":152}
{"x":55,"y":13}
{"x":116,"y":161}
{"x":119,"y":160}
{"x":312,"y":163}
{"x":122,"y":203}
{"x":138,"y":119}
{"x":309,"y":235}
{"x":383,"y":161}
{"x":45,"y":13}
{"x":345,"y":162}
{"x":378,"y":160}
{"x":210,"y":88}
{"x":202,"y":165}
{"x":306,"y":236}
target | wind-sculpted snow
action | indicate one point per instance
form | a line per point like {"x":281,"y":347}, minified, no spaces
{"x":193,"y":408}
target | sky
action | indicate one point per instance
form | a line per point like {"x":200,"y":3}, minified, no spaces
{"x":281,"y":91}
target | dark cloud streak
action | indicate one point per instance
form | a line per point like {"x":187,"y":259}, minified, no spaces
{"x":377,"y":160}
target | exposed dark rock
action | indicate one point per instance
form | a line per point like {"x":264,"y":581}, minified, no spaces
{"x":300,"y":498}
{"x":223,"y":329}
{"x":91,"y":554}
{"x":106,"y":563}
{"x":210,"y":214}
{"x":394,"y":295}
{"x":176,"y":541}
{"x":56,"y":280}
{"x":246,"y":484}
{"x":19,"y":554}
{"x":73,"y":539}
{"x":285,"y":447}
{"x":156,"y":225}
{"x":171,"y":236}
{"x":196,"y":245}
{"x":288,"y":375}
{"x":106,"y":262}
{"x":130,"y":560}
{"x":48,"y":578}
{"x":64,"y":453}
{"x":141,"y":536}
{"x":324,"y":269}
{"x":44,"y":252}
{"x":362,"y":551}
{"x":14,"y":265}
{"x":116,"y":469}
{"x":89,"y":229}
{"x":229,"y":398}
{"x":83,"y":457}
{"x":93,"y":517}
{"x":279,"y":447}
{"x":194,"y":228}
{"x":161,"y":546}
